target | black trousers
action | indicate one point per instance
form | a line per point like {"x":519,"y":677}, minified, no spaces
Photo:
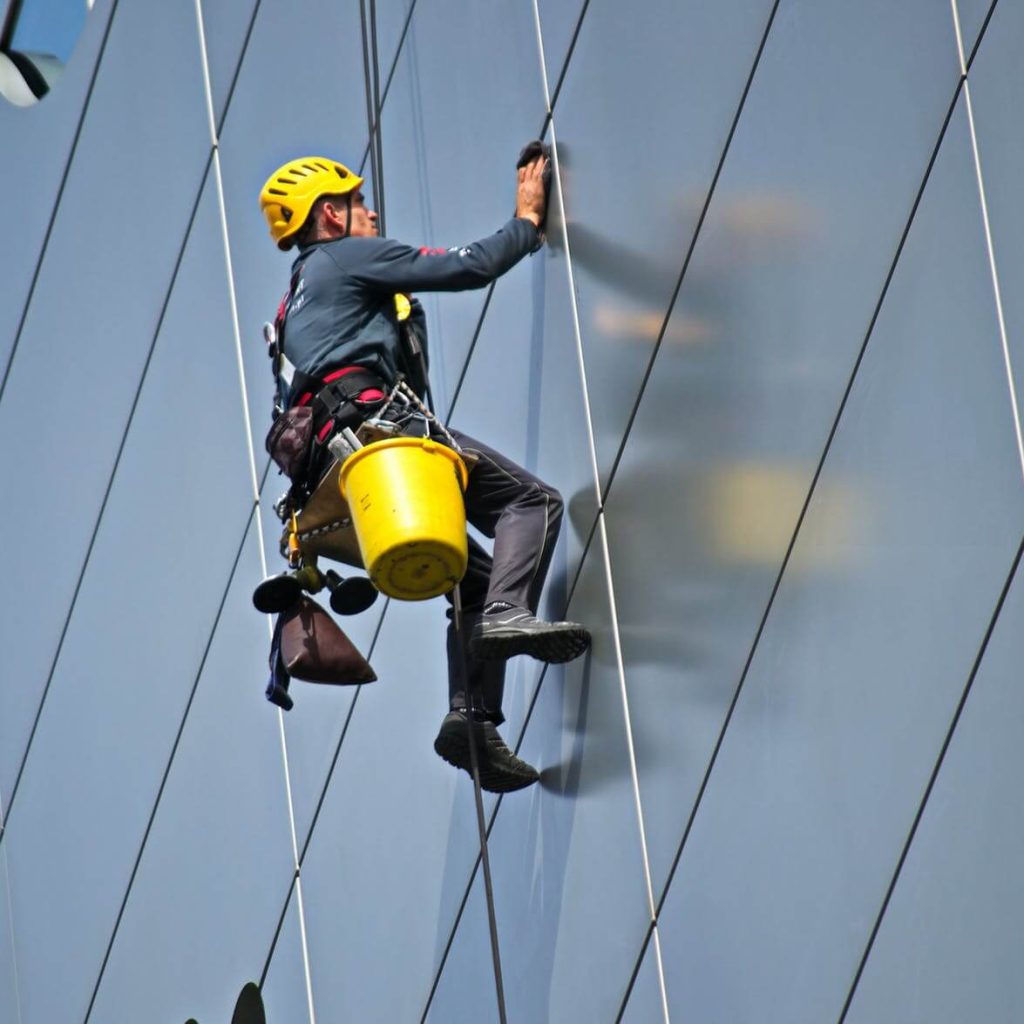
{"x":523,"y":515}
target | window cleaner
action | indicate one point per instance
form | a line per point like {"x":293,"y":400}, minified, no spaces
{"x":348,"y":355}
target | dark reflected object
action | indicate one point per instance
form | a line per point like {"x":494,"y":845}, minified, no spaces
{"x":249,"y":1008}
{"x":350,"y":596}
{"x":277,"y":593}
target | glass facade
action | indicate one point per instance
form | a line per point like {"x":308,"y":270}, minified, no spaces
{"x":770,"y":356}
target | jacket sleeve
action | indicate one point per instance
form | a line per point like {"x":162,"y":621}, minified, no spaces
{"x":392,"y":266}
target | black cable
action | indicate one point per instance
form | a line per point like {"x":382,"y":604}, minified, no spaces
{"x":56,"y":204}
{"x":149,"y":356}
{"x":170,"y":762}
{"x":932,"y":780}
{"x":565,"y":67}
{"x":689,"y":253}
{"x":370,"y":103}
{"x":378,"y":105}
{"x":803,"y":514}
{"x":106,"y":498}
{"x":394,"y":66}
{"x":485,"y":860}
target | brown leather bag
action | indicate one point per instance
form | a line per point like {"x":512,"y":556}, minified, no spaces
{"x":314,"y":648}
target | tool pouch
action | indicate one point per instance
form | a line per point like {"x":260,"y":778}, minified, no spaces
{"x":288,"y":441}
{"x":315,"y":648}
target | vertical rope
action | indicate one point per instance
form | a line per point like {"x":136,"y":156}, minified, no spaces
{"x":990,"y":247}
{"x":225,"y":237}
{"x":603,"y":533}
{"x":375,"y":138}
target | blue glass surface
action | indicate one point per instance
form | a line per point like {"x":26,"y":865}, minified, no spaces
{"x":642,"y":119}
{"x":645,"y":1004}
{"x":10,"y":999}
{"x":948,"y":949}
{"x":91,"y":324}
{"x":466,"y":991}
{"x":566,"y":856}
{"x":225,"y":25}
{"x":42,"y":137}
{"x":997,"y":90}
{"x":176,"y":516}
{"x":396,"y":839}
{"x":972,"y":17}
{"x":284,"y":991}
{"x":879,"y":617}
{"x":805,"y":222}
{"x":202,"y":911}
{"x":558,"y":20}
{"x":391,"y":18}
{"x":465,"y":98}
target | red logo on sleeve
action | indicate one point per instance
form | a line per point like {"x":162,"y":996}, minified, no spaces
{"x":426,"y":250}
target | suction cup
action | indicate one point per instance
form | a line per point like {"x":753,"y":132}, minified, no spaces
{"x":351,"y":596}
{"x":277,"y":593}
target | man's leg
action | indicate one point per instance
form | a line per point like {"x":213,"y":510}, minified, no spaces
{"x":475,"y":690}
{"x":523,"y":515}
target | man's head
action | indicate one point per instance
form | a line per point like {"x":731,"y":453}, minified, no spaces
{"x":315,"y":198}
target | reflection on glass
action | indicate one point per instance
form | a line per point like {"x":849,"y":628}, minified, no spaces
{"x":35,"y":45}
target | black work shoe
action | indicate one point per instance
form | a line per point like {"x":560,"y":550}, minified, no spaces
{"x":513,"y":631}
{"x":500,"y":770}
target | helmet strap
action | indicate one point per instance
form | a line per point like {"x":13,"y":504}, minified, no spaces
{"x":348,"y":215}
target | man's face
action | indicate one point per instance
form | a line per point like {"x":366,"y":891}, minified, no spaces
{"x":364,"y":220}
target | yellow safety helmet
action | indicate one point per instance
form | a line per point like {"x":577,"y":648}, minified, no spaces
{"x":290,"y":192}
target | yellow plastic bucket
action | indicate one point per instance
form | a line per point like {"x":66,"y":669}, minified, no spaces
{"x":405,"y":498}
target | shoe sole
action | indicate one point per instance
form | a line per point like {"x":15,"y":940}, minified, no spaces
{"x":452,"y":745}
{"x":553,"y":646}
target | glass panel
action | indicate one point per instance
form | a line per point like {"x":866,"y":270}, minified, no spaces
{"x":284,"y":991}
{"x":558,"y":20}
{"x":90,"y":327}
{"x":566,"y":856}
{"x":779,"y":294}
{"x":391,"y":16}
{"x":972,"y":17}
{"x":645,"y":1006}
{"x":218,"y":860}
{"x":997,"y":91}
{"x":948,"y":949}
{"x":466,"y":992}
{"x":42,"y":142}
{"x":878,"y":620}
{"x":176,"y":516}
{"x":10,"y":997}
{"x":225,"y":24}
{"x":634,"y":185}
{"x":396,"y":840}
{"x":459,"y":111}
